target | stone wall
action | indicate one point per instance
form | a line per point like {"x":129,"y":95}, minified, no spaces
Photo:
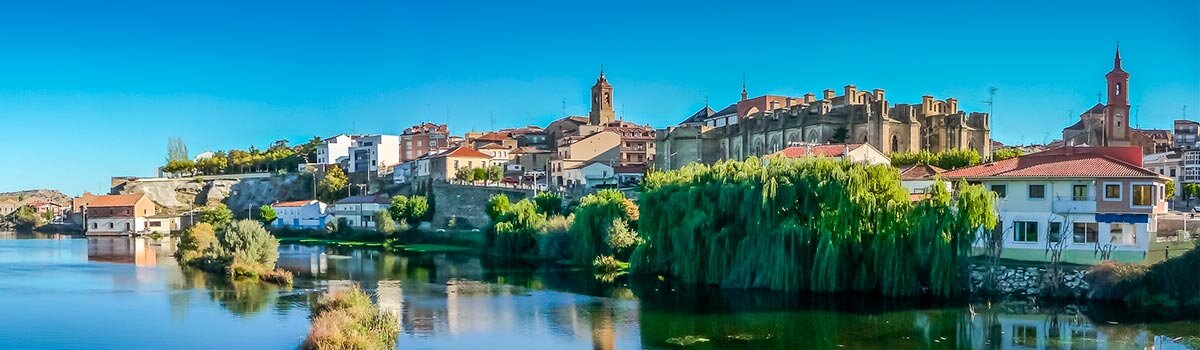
{"x":464,"y":207}
{"x":1027,"y":281}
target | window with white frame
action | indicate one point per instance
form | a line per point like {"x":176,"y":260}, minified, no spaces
{"x":1025,"y":231}
{"x":1085,"y":232}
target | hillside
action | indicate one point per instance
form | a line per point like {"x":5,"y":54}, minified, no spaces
{"x":53,"y":196}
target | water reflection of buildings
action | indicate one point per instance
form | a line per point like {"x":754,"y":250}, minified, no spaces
{"x":1001,"y":330}
{"x":123,"y":250}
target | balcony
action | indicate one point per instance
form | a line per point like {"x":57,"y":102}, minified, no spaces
{"x":1069,"y":204}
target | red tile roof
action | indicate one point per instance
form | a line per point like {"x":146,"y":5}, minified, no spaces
{"x":291,"y":204}
{"x":116,"y":200}
{"x":920,"y":172}
{"x":1053,"y":165}
{"x":830,"y":150}
{"x":492,"y":136}
{"x":462,"y":151}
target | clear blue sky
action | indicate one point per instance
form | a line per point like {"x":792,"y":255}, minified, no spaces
{"x":92,"y":89}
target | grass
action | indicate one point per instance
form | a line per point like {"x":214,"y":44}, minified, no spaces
{"x":1158,"y":250}
{"x":348,"y":320}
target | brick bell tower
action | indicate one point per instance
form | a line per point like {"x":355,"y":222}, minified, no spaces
{"x":1116,"y":111}
{"x":602,"y":108}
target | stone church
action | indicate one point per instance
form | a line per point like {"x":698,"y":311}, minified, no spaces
{"x":1107,"y":124}
{"x":766,"y":124}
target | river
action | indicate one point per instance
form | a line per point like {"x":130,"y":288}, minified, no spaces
{"x":64,"y":292}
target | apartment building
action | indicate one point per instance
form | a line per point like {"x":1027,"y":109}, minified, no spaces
{"x":1100,"y":201}
{"x":422,"y":139}
{"x":373,"y":153}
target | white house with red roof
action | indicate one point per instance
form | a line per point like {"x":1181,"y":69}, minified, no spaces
{"x":306,"y":214}
{"x":856,"y":152}
{"x":1099,"y":200}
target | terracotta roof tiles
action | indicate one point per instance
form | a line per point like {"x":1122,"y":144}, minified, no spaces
{"x":116,"y":200}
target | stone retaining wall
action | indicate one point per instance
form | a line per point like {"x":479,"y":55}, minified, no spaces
{"x":1027,"y":281}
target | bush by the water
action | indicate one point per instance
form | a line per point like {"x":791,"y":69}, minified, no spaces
{"x":348,"y":320}
{"x":1169,"y":286}
{"x":817,"y":225}
{"x":26,"y":218}
{"x":601,"y":225}
{"x":241,"y":249}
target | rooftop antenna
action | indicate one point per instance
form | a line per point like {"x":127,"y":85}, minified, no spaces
{"x":991,"y":100}
{"x":1098,"y":100}
{"x":492,"y":119}
{"x":564,"y":107}
{"x":1136,"y":121}
{"x":1184,"y":112}
{"x":622,"y":112}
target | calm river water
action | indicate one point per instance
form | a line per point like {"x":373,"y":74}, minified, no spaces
{"x":63,"y":292}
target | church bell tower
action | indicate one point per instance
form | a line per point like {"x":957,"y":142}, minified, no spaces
{"x":1116,"y":111}
{"x":602,"y":107}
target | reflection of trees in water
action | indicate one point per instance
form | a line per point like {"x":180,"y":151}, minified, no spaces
{"x":242,"y":298}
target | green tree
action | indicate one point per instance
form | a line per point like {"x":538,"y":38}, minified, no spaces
{"x":1170,"y":190}
{"x":418,"y":210}
{"x":479,"y":174}
{"x":308,"y":150}
{"x":26,"y":218}
{"x":180,"y":167}
{"x":548,"y":202}
{"x":399,"y":208}
{"x":333,"y":186}
{"x":197,"y":243}
{"x":495,"y":173}
{"x":594,"y":219}
{"x":464,"y":174}
{"x":217,"y":215}
{"x":1006,"y":153}
{"x":267,"y":214}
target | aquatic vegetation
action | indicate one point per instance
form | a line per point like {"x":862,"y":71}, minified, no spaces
{"x":1166,"y":287}
{"x":818,"y":225}
{"x":348,"y":320}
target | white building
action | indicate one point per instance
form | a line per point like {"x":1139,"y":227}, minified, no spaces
{"x":309,"y":214}
{"x":1099,"y":200}
{"x":500,"y":154}
{"x":122,"y":214}
{"x":918,"y":178}
{"x":359,"y":211}
{"x":374,"y":152}
{"x":590,"y":175}
{"x":335,"y":149}
{"x":1170,"y":164}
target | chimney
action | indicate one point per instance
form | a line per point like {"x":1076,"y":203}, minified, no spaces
{"x":850,"y":91}
{"x":809,"y":98}
{"x":828,"y":94}
{"x":845,"y":151}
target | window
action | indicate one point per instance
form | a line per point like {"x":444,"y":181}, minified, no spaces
{"x":1037,"y":191}
{"x":1124,"y":234}
{"x":1025,"y":231}
{"x":1001,"y":190}
{"x":1143,"y":195}
{"x":1079,"y":193}
{"x":1172,"y":172}
{"x":1086,"y":232}
{"x":154,"y":224}
{"x":1112,"y":191}
{"x":1054,"y":232}
{"x":94,"y":225}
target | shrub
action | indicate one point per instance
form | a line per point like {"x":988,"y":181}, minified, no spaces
{"x":277,"y":276}
{"x":384,"y":223}
{"x":608,"y":263}
{"x":348,"y":320}
{"x":267,"y":214}
{"x":622,"y":239}
{"x":548,"y":203}
{"x":26,"y":218}
{"x":1113,"y":280}
{"x":247,"y":241}
{"x":554,"y":239}
{"x":198,"y":242}
{"x":217,"y":215}
{"x":594,"y":219}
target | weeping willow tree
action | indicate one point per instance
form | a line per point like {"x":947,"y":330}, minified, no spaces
{"x":597,"y":218}
{"x":818,"y":225}
{"x":513,"y":226}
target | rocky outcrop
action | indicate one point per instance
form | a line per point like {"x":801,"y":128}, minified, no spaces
{"x":239,"y":193}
